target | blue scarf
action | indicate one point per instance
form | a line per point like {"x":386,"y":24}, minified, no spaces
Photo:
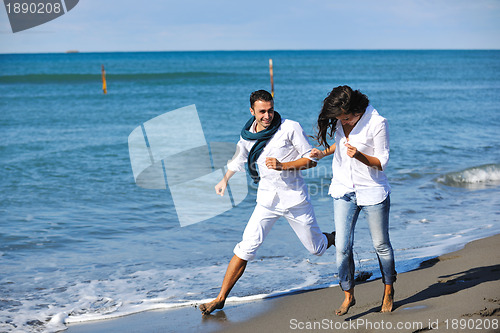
{"x":262,"y":138}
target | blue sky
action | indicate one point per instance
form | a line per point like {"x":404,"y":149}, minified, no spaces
{"x":126,"y":25}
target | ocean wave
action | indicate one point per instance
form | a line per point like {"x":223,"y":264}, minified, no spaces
{"x":478,"y":177}
{"x":82,"y":78}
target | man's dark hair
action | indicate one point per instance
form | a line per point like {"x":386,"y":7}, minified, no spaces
{"x":260,"y":95}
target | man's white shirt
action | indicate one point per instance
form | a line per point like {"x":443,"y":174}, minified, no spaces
{"x":278,"y":189}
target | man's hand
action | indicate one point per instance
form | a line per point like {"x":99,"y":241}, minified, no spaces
{"x":316,"y":153}
{"x":221,"y":187}
{"x":273,"y":163}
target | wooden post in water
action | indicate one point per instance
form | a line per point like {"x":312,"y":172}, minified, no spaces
{"x":104,"y":88}
{"x":271,"y":73}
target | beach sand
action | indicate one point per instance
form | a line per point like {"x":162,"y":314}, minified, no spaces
{"x":456,"y":292}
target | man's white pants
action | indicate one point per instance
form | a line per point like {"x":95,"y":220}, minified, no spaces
{"x":302,"y":220}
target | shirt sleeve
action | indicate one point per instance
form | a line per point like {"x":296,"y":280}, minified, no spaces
{"x":381,"y":143}
{"x":301,"y":142}
{"x":237,"y":162}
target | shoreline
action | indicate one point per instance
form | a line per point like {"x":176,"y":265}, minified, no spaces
{"x":443,"y":294}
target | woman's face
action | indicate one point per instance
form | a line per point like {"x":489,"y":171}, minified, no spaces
{"x":349,"y":119}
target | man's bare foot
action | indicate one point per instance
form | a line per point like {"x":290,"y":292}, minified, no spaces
{"x":331,"y":238}
{"x":209,"y":307}
{"x":388,"y":301}
{"x":345,"y":306}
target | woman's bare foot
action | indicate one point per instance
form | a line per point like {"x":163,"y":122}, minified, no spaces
{"x":345,"y":307}
{"x":388,"y":301}
{"x":209,"y":307}
{"x":349,"y":301}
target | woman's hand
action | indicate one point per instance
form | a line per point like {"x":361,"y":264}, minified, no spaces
{"x":365,"y":159}
{"x":316,"y":153}
{"x":351,"y":151}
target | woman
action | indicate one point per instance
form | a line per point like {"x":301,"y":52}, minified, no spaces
{"x":361,"y":152}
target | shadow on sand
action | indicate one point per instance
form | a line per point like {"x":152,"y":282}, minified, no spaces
{"x":446,"y":285}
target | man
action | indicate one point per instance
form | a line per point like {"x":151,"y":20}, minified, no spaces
{"x":280,"y":149}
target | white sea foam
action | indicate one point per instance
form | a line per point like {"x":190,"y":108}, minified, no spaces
{"x":125,"y":291}
{"x":473,"y":178}
{"x":92,"y":309}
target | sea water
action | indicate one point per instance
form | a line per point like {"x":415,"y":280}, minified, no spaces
{"x":79,"y":240}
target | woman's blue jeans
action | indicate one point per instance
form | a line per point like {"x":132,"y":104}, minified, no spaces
{"x":346,"y":212}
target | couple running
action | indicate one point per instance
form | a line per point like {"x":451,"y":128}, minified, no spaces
{"x":280,"y":149}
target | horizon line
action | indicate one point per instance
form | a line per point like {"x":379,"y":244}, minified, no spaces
{"x":75,"y":51}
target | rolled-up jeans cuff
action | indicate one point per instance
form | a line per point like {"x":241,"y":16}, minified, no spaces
{"x":346,"y":285}
{"x":390,"y":280}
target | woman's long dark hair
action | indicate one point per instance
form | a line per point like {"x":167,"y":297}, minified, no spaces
{"x":341,"y":100}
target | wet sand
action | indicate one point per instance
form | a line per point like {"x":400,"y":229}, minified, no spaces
{"x":456,"y":292}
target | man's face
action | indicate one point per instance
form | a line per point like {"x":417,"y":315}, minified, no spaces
{"x":264,"y":114}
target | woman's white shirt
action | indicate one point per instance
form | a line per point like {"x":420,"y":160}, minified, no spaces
{"x":371,"y":137}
